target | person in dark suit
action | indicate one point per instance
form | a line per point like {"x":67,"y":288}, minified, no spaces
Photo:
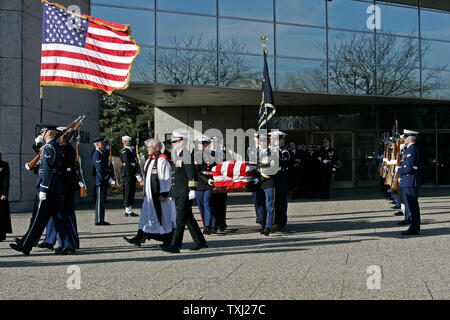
{"x":410,"y":180}
{"x":48,"y":193}
{"x":101,"y":167}
{"x":128,"y":171}
{"x":5,"y":218}
{"x":219,"y":199}
{"x":311,"y":176}
{"x":183,"y":192}
{"x":327,"y":158}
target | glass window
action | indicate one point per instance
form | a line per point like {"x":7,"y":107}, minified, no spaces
{"x":301,"y":42}
{"x":351,"y":78}
{"x":252,"y":9}
{"x":142,"y":21}
{"x":342,"y":47}
{"x":443,"y":117}
{"x":396,"y":81}
{"x":150,"y":4}
{"x":366,"y":120}
{"x":301,"y":11}
{"x":188,"y":67}
{"x":398,"y":51}
{"x":435,"y":24}
{"x":186,"y":31}
{"x":301,"y":75}
{"x":415,"y":117}
{"x":332,"y":122}
{"x":144,"y":66}
{"x":194,"y":6}
{"x":443,"y":155}
{"x":436,"y":84}
{"x":244,"y":36}
{"x":426,"y":143}
{"x":241,"y":71}
{"x":366,"y":159}
{"x":387,"y":117}
{"x":290,"y":122}
{"x":399,"y":20}
{"x":349,"y":14}
{"x":436,"y":54}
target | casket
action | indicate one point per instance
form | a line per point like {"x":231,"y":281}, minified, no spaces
{"x":233,"y":175}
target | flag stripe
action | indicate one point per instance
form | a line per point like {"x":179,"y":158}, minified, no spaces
{"x":115,"y":53}
{"x":68,"y":67}
{"x":88,"y":52}
{"x":76,"y":81}
{"x":81,"y":76}
{"x":84,"y":64}
{"x":109,"y":39}
{"x":82,"y":57}
{"x":112,"y":46}
{"x":99,"y":26}
{"x":107,"y":33}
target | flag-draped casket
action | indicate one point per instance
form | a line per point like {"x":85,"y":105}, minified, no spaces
{"x":233,"y":174}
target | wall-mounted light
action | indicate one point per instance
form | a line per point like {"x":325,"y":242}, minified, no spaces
{"x":173,"y":94}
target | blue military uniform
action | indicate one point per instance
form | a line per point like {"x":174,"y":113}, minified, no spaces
{"x":410,"y":183}
{"x":281,"y":187}
{"x":101,"y":168}
{"x":48,"y":186}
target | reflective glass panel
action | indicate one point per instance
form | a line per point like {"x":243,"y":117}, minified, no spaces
{"x":397,"y":51}
{"x":144,"y":66}
{"x":436,"y":54}
{"x":150,"y":4}
{"x":443,"y":159}
{"x":351,"y":78}
{"x":290,"y":122}
{"x":355,"y":47}
{"x":416,"y":117}
{"x":349,"y":14}
{"x":241,"y":71}
{"x":395,"y":81}
{"x":142,"y":21}
{"x":366,"y":159}
{"x":399,"y":20}
{"x":252,"y":9}
{"x":387,"y":117}
{"x":186,"y":31}
{"x":366,"y":120}
{"x":310,"y":12}
{"x":301,"y":75}
{"x":435,"y":24}
{"x":301,"y":42}
{"x":426,"y":143}
{"x":186,"y":67}
{"x":194,"y":6}
{"x":244,"y":36}
{"x":443,"y":116}
{"x":436,"y":84}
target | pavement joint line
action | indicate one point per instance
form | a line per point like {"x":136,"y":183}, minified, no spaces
{"x":234,"y":270}
{"x":342,"y":289}
{"x":257,"y":287}
{"x":307,"y":272}
{"x":428,"y":289}
{"x":170,"y":287}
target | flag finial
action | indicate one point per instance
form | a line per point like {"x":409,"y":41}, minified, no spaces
{"x":264,"y":38}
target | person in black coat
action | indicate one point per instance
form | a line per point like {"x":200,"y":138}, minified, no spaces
{"x":5,"y":218}
{"x":327,"y":158}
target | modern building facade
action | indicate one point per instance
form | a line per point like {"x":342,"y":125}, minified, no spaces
{"x":340,"y":68}
{"x":20,"y":104}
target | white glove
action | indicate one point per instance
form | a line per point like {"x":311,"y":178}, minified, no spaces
{"x":27,"y":167}
{"x":138,"y":177}
{"x":334,"y":169}
{"x":111,"y":180}
{"x":319,"y":158}
{"x":38,"y":140}
{"x":211,"y":182}
{"x":42,"y":196}
{"x":325,"y":161}
{"x":191,"y":195}
{"x":81,"y":184}
{"x":255,"y":181}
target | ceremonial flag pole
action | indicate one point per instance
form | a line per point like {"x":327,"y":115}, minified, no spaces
{"x":266,"y":107}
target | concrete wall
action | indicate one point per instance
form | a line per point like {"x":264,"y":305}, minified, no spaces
{"x":20,"y":54}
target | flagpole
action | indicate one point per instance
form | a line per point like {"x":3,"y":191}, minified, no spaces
{"x":41,"y":93}
{"x":264,"y":38}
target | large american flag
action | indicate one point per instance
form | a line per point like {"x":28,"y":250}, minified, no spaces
{"x":85,"y":52}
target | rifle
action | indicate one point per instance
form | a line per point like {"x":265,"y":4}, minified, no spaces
{"x":111,"y":163}
{"x":83,"y":190}
{"x":393,"y":157}
{"x":30,"y":165}
{"x":138,"y":158}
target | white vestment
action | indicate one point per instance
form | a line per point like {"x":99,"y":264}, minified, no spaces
{"x":149,"y":221}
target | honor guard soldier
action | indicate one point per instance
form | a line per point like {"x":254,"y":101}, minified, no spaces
{"x":101,"y":168}
{"x":277,"y":139}
{"x":252,"y":157}
{"x":129,"y":172}
{"x":183,"y":192}
{"x":219,"y":199}
{"x":267,"y":169}
{"x":203,"y":164}
{"x":327,"y":159}
{"x":48,"y":193}
{"x":410,"y":180}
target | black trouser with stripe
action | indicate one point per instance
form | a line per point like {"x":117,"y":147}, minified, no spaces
{"x":100,"y":200}
{"x":129,"y":190}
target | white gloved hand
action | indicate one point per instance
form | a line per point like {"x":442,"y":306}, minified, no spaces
{"x":81,"y":184}
{"x":27,"y":167}
{"x":42,"y":196}
{"x":211,"y":182}
{"x":319,"y":158}
{"x":325,"y":161}
{"x":191,"y":195}
{"x":111,"y":181}
{"x":255,"y":181}
{"x":38,"y":140}
{"x":138,"y":177}
{"x":334,"y":169}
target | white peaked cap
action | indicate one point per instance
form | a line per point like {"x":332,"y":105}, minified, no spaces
{"x":126,"y":138}
{"x":410,"y":132}
{"x":176,"y":136}
{"x":277,"y":134}
{"x":203,"y":139}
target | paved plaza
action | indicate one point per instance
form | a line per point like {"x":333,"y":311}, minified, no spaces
{"x":324,"y":253}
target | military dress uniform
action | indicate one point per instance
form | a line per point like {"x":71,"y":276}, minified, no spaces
{"x":48,"y":197}
{"x":101,"y":169}
{"x":183,"y":182}
{"x":327,"y":158}
{"x":410,"y":183}
{"x":252,"y":157}
{"x":5,"y":217}
{"x":128,"y":172}
{"x":219,"y":199}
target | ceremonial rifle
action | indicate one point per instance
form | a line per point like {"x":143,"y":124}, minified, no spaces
{"x":83,"y":189}
{"x":138,"y":159}
{"x":111,"y":163}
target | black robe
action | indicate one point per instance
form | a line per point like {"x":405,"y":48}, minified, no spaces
{"x":5,"y":218}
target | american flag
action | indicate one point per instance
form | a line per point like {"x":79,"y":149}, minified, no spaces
{"x":267,"y":106}
{"x":85,"y":52}
{"x":233,"y":174}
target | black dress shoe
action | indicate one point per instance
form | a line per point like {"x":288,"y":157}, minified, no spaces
{"x":16,"y":240}
{"x":134,"y":214}
{"x":171,"y":249}
{"x":164,"y":245}
{"x":266,"y":231}
{"x":45,"y":245}
{"x":199,"y":246}
{"x":104,"y":223}
{"x":258,"y":221}
{"x":410,"y":233}
{"x":135,"y":240}
{"x":395,"y":207}
{"x":19,"y":248}
{"x":64,"y":251}
{"x":275,"y":228}
{"x":126,"y":214}
{"x":399,"y":213}
{"x":404,"y":222}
